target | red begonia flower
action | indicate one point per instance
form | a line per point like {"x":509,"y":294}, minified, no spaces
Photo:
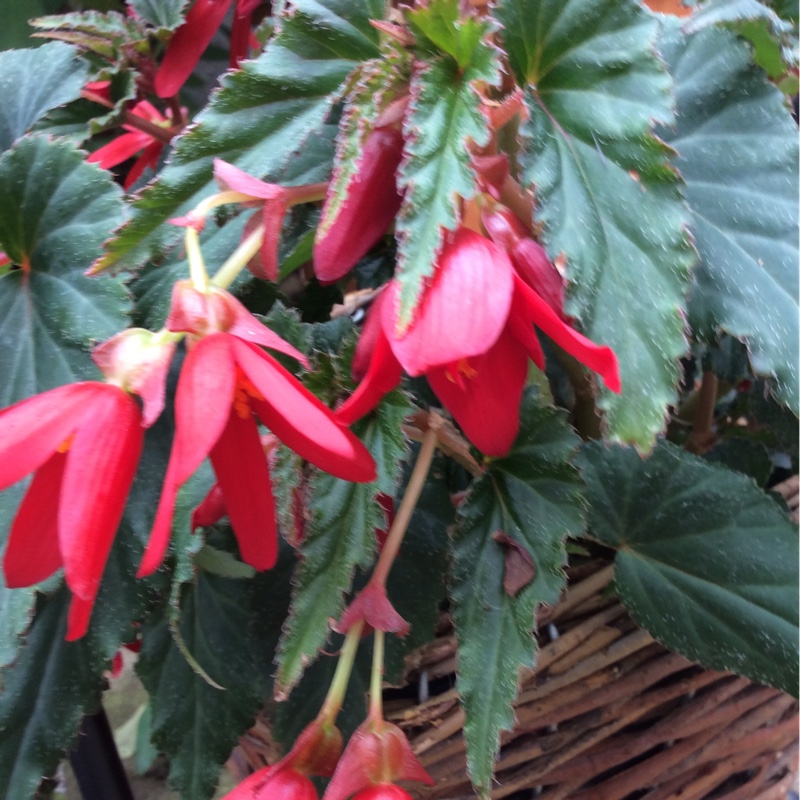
{"x":277,"y":782}
{"x":225,"y":383}
{"x":383,"y":791}
{"x":371,"y":205}
{"x":82,"y":442}
{"x":129,"y":144}
{"x":378,"y":753}
{"x":479,"y":374}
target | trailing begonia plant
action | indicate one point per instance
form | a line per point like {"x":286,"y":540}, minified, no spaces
{"x":422,"y":298}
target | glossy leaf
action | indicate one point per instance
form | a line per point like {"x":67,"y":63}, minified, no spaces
{"x":264,"y":115}
{"x":55,"y":212}
{"x":608,"y":200}
{"x":443,"y":118}
{"x":533,"y":496}
{"x":36,"y":81}
{"x":706,"y":562}
{"x":737,"y":151}
{"x":339,"y":536}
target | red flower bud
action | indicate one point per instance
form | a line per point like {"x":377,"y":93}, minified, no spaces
{"x":277,"y":782}
{"x":372,"y":203}
{"x":384,"y":791}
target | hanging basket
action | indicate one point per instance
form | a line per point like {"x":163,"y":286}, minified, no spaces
{"x":608,"y":714}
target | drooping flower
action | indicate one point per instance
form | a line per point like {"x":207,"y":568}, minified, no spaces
{"x":377,"y":754}
{"x":277,"y":782}
{"x":193,"y":37}
{"x":226,"y":381}
{"x":134,"y":141}
{"x":472,"y":337}
{"x":82,"y":442}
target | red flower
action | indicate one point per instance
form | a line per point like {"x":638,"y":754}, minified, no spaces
{"x":129,"y":144}
{"x":82,"y":442}
{"x":191,"y":39}
{"x":472,"y":337}
{"x":383,"y":791}
{"x":226,"y":379}
{"x":278,"y":782}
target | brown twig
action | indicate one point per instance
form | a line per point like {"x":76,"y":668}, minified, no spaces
{"x":702,"y":437}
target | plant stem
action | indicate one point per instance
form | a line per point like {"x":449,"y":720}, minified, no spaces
{"x":197,"y":267}
{"x":338,"y":688}
{"x":702,"y":436}
{"x":376,"y":678}
{"x":409,"y":502}
{"x":238,"y":259}
{"x":164,"y":135}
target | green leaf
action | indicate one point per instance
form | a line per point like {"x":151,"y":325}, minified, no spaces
{"x":16,"y":609}
{"x":104,"y":34}
{"x":438,"y":22}
{"x":738,"y":154}
{"x":608,"y":200}
{"x":196,"y":724}
{"x":263,"y":116}
{"x":55,"y":212}
{"x":35,"y":82}
{"x":443,"y":118}
{"x":339,"y":537}
{"x":533,"y":496}
{"x":743,"y":455}
{"x":161,"y":14}
{"x":706,"y":562}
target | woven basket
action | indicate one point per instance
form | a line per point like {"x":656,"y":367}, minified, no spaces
{"x":608,"y":714}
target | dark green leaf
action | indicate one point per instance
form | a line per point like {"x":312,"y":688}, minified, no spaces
{"x":339,"y":536}
{"x":742,"y":455}
{"x":443,"y":118}
{"x":103,"y":34}
{"x":706,"y":562}
{"x":533,"y":496}
{"x":738,"y":153}
{"x":195,"y":723}
{"x":264,"y":114}
{"x":55,"y":212}
{"x":608,"y":200}
{"x":16,"y":609}
{"x":36,"y":81}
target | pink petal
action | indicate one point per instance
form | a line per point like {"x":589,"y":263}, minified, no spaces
{"x":486,"y":405}
{"x":372,"y":203}
{"x":101,"y":464}
{"x":211,"y":510}
{"x":120,"y":149}
{"x":536,"y":269}
{"x":522,"y":329}
{"x":463,"y":310}
{"x":235,"y":179}
{"x":598,"y":358}
{"x":243,"y":475}
{"x":80,"y":611}
{"x":188,"y":44}
{"x":149,"y":158}
{"x":32,"y":553}
{"x":240,"y":37}
{"x":373,"y":606}
{"x":383,"y":375}
{"x":250,"y":329}
{"x":31,"y":430}
{"x":300,"y":420}
{"x":368,"y":337}
{"x":274,"y":213}
{"x":202,"y":404}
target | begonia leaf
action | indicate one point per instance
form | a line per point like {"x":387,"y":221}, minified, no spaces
{"x":438,"y":22}
{"x":103,"y":34}
{"x":264,"y":114}
{"x":161,"y":14}
{"x":533,"y":496}
{"x":608,"y":200}
{"x":55,"y":212}
{"x":706,"y":561}
{"x":737,"y":151}
{"x":443,"y":121}
{"x":340,"y":535}
{"x":34,"y":82}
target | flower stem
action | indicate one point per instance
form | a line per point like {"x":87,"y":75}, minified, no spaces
{"x":333,"y":701}
{"x":158,"y":132}
{"x":376,"y":678}
{"x":239,"y":259}
{"x":409,"y":502}
{"x":197,"y":267}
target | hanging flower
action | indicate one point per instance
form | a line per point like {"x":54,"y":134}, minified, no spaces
{"x":277,"y":782}
{"x":226,"y":381}
{"x":82,"y":443}
{"x":471,"y":338}
{"x":193,"y":37}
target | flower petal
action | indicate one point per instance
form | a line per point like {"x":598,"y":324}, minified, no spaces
{"x":383,"y":375}
{"x":243,"y":476}
{"x":211,"y":509}
{"x":300,"y":420}
{"x":240,"y":37}
{"x":118,"y":150}
{"x":202,"y":404}
{"x":31,"y":430}
{"x":229,"y":177}
{"x":486,"y":405}
{"x":101,"y":463}
{"x":598,"y":358}
{"x":33,"y":553}
{"x":149,"y":158}
{"x":80,"y":611}
{"x":463,"y":310}
{"x":373,"y":607}
{"x":188,"y":44}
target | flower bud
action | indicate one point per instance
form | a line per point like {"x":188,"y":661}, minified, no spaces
{"x":383,"y":791}
{"x":372,"y":203}
{"x":278,"y":782}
